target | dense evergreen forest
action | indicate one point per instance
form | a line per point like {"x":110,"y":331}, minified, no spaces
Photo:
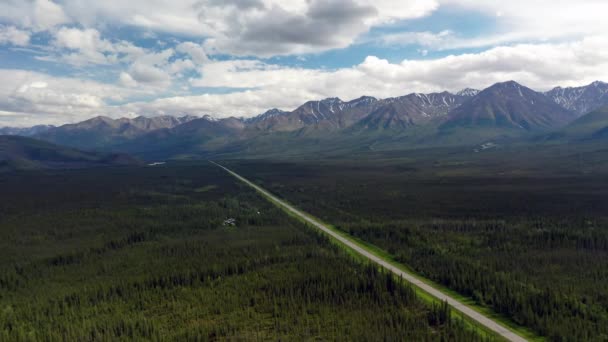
{"x":138,"y":253}
{"x":532,"y":244}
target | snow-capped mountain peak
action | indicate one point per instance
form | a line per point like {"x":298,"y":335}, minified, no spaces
{"x":581,"y":99}
{"x":468,"y":92}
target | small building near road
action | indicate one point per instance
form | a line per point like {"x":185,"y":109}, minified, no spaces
{"x":231,"y":222}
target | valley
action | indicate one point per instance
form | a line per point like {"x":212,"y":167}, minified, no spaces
{"x":138,"y":253}
{"x":303,"y":170}
{"x":487,"y":206}
{"x":522,"y":232}
{"x":398,"y":270}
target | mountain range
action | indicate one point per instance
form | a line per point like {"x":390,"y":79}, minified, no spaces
{"x":581,"y":100}
{"x":506,"y":110}
{"x":22,"y":153}
{"x":25,"y":131}
{"x":102,"y":131}
{"x":510,"y":105}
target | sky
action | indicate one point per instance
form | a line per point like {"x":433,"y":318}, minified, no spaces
{"x":64,"y":61}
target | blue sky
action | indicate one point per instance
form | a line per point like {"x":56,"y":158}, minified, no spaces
{"x":68,"y":60}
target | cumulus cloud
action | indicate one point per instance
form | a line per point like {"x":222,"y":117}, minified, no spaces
{"x":309,"y":26}
{"x":540,"y":65}
{"x":48,"y":14}
{"x":195,"y":51}
{"x":126,"y":80}
{"x":145,"y":73}
{"x":85,"y":47}
{"x":543,"y":18}
{"x":85,"y":40}
{"x":389,"y":10}
{"x":38,"y":15}
{"x":154,"y":68}
{"x":240,"y":4}
{"x":180,"y":65}
{"x":266,"y":28}
{"x":532,"y":20}
{"x":33,"y":98}
{"x":14,"y":36}
{"x":244,"y":27}
{"x":326,"y":24}
{"x":426,"y":38}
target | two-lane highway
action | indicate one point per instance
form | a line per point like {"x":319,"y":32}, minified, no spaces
{"x":456,"y":304}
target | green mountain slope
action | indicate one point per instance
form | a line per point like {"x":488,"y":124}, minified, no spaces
{"x":20,"y":153}
{"x":590,"y":126}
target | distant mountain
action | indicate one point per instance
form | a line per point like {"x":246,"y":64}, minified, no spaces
{"x":509,"y":105}
{"x":388,"y":116}
{"x":192,"y":137}
{"x":502,"y":112}
{"x":266,"y":116}
{"x":410,"y":110}
{"x":102,"y":131}
{"x":581,"y":100}
{"x":366,"y":112}
{"x":328,"y":114}
{"x":21,"y":153}
{"x":590,"y":126}
{"x":25,"y":131}
{"x":158,"y":122}
{"x":208,"y":126}
{"x":468,"y":92}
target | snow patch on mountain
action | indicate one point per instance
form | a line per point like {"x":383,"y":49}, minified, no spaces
{"x":581,"y":100}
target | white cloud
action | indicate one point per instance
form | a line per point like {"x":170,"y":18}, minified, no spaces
{"x":179,"y":66}
{"x":34,"y":85}
{"x":154,"y":69}
{"x":33,"y":98}
{"x":533,"y":20}
{"x":85,"y":40}
{"x":244,"y":27}
{"x":143,"y":67}
{"x":548,"y":18}
{"x":273,"y":27}
{"x":389,"y":10}
{"x":37,"y":15}
{"x":126,"y":80}
{"x":48,"y":14}
{"x":156,"y":58}
{"x":267,"y":28}
{"x":195,"y":51}
{"x":86,"y":47}
{"x":14,"y":36}
{"x":245,"y":103}
{"x":540,"y":66}
{"x":149,"y":74}
{"x":426,"y":38}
